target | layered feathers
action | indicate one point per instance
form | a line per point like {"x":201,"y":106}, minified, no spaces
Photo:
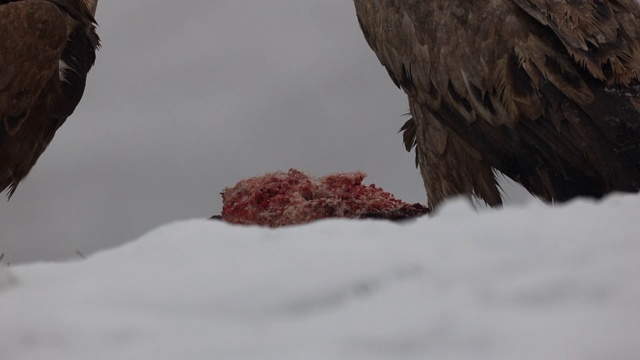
{"x":46,"y":50}
{"x":545,"y":92}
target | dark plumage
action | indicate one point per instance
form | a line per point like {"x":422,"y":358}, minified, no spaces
{"x":544,"y":91}
{"x":47,"y":47}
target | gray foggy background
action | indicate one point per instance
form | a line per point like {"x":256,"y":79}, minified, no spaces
{"x":188,"y":97}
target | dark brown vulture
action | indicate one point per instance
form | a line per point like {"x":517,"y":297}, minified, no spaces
{"x":46,"y":50}
{"x":545,"y":92}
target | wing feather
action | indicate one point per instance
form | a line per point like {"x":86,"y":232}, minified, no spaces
{"x":28,"y":58}
{"x":543,"y":91}
{"x":32,"y":39}
{"x":600,"y":35}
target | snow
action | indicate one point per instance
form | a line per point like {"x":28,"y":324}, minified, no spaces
{"x":189,"y":97}
{"x":521,"y":283}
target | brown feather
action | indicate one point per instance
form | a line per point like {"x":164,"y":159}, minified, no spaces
{"x":35,"y":35}
{"x":544,"y":91}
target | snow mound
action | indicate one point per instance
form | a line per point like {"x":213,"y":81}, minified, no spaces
{"x":531,"y":283}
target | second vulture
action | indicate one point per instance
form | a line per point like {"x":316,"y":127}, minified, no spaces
{"x":545,"y":92}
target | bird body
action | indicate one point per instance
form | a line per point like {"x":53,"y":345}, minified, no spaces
{"x":46,"y":50}
{"x":545,"y":92}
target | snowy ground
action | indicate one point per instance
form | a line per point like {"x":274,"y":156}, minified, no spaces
{"x":529,"y":283}
{"x":188,"y":97}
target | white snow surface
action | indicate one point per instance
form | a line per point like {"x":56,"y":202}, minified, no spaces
{"x":522,"y":283}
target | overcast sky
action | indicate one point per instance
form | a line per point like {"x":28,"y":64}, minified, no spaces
{"x":188,"y":97}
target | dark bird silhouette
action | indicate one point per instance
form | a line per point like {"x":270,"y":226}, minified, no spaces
{"x":47,"y":47}
{"x":545,"y":92}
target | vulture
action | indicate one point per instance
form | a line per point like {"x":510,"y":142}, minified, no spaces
{"x":47,"y":47}
{"x":545,"y":92}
